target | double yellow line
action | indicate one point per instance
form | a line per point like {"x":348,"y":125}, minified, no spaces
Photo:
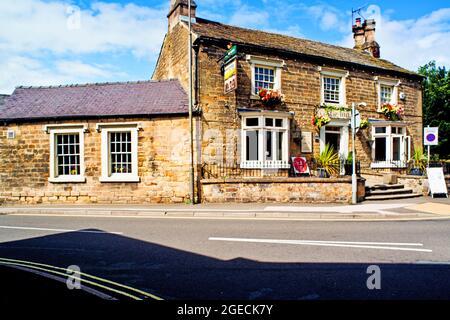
{"x":132,"y":293}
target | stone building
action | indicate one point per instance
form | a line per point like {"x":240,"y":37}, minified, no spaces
{"x":318,"y":80}
{"x":99,"y":143}
{"x":261,"y":101}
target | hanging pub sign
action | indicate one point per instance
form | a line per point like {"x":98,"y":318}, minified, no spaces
{"x":230,"y":76}
{"x":230,"y":54}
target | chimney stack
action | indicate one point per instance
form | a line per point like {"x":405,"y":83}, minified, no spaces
{"x":358,"y":34}
{"x":179,"y":12}
{"x":364,"y":36}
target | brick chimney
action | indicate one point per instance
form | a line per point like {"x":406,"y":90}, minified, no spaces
{"x":179,"y":12}
{"x":364,"y":35}
{"x":358,"y":34}
{"x":371,"y":45}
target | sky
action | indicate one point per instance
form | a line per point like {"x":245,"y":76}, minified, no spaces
{"x":54,"y":42}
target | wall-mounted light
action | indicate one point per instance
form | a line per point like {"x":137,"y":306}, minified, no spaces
{"x":402,"y":96}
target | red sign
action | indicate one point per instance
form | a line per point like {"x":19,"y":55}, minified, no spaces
{"x":300,"y":165}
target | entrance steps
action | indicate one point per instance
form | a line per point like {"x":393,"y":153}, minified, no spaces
{"x":389,"y":192}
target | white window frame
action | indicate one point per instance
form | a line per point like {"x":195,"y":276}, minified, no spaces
{"x":55,"y":129}
{"x":105,"y":129}
{"x":277,"y":65}
{"x":331,"y":73}
{"x":261,"y":163}
{"x":405,"y":146}
{"x":394,"y":83}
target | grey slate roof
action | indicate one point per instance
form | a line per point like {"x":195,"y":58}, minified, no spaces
{"x":214,"y":30}
{"x":142,"y":98}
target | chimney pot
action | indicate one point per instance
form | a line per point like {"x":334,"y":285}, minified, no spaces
{"x":179,"y":10}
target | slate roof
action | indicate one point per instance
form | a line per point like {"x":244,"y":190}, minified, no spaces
{"x":142,"y":98}
{"x":218,"y":31}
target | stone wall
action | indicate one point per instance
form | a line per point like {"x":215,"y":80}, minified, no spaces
{"x":281,"y":190}
{"x":163,"y":160}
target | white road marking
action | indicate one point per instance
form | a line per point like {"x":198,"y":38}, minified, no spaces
{"x":57,"y":230}
{"x":365,"y":245}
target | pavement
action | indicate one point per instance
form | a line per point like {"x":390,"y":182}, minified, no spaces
{"x":415,"y":208}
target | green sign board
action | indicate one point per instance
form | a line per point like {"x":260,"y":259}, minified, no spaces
{"x":231,"y":53}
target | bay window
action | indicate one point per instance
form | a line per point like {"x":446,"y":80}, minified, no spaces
{"x":265,"y":141}
{"x":391,"y":146}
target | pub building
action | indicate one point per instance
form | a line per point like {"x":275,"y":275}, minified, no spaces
{"x":266,"y":106}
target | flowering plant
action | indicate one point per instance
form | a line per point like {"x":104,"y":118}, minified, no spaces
{"x":319,"y":120}
{"x":270,"y":97}
{"x":392,"y":111}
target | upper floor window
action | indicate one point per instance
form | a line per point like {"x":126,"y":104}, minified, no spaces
{"x":264,"y":78}
{"x":333,"y":86}
{"x":331,"y":89}
{"x":387,"y":91}
{"x":119,"y":152}
{"x":66,"y":152}
{"x":266,"y":73}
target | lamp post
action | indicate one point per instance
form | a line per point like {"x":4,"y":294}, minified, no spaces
{"x":355,"y":123}
{"x":191,"y":124}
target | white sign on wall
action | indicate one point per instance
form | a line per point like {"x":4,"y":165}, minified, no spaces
{"x":307,"y":142}
{"x":430,"y":136}
{"x":436,"y":181}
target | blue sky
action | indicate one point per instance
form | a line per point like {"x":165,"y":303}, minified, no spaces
{"x":49,"y":42}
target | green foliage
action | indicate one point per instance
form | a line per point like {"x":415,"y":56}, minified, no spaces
{"x":329,"y":160}
{"x":436,"y":104}
{"x":419,"y":159}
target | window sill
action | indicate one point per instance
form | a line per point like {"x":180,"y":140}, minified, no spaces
{"x":126,"y":179}
{"x":254,"y":97}
{"x":73,"y":179}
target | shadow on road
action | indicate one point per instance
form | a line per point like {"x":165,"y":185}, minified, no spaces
{"x":176,"y":274}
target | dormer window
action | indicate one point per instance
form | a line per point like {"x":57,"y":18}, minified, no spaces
{"x":266,"y":73}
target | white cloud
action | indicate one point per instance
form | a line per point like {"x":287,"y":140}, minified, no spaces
{"x":35,"y":25}
{"x":21,"y":70}
{"x":414,"y":42}
{"x":38,"y":39}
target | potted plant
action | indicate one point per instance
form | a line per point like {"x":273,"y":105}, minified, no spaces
{"x":328,"y":162}
{"x":419,"y":162}
{"x":349,"y":164}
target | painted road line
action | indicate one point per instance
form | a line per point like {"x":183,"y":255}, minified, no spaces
{"x":324,"y":244}
{"x":57,"y":230}
{"x":74,"y":277}
{"x":89,"y":290}
{"x":47,"y":267}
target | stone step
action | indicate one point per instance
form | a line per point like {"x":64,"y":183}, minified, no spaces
{"x":385,"y":187}
{"x":380,"y":192}
{"x":393,"y":197}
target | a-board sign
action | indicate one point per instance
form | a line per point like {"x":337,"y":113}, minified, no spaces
{"x":436,"y":181}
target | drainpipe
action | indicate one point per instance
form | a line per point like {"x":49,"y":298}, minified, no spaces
{"x":191,"y":124}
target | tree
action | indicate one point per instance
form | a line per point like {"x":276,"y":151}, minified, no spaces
{"x":436,"y":104}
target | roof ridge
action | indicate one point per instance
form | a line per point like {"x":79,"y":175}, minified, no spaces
{"x":76,"y":85}
{"x":331,"y":46}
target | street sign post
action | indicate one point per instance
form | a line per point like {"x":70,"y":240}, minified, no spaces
{"x":431,"y":138}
